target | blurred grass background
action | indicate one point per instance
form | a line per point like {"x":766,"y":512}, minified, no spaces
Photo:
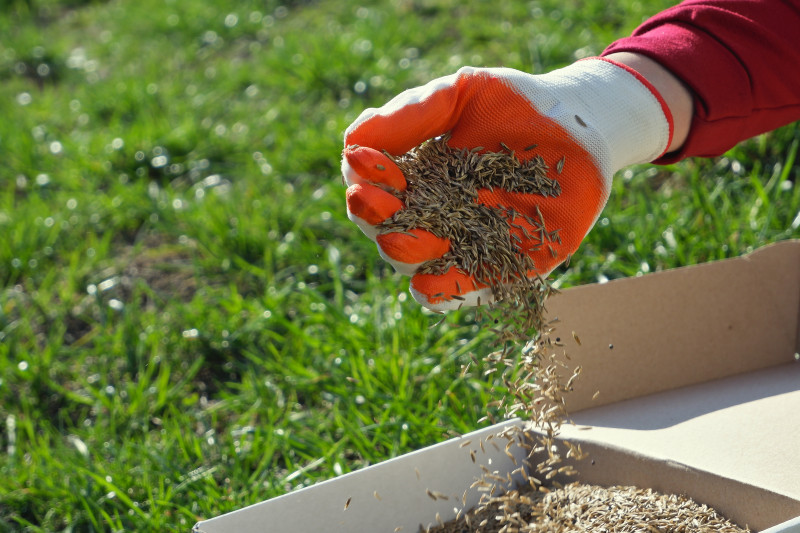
{"x":188,"y":321}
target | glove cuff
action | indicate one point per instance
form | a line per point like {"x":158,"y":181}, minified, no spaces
{"x":613,"y":111}
{"x":628,"y":113}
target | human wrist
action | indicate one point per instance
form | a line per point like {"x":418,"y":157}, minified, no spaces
{"x":675,"y":93}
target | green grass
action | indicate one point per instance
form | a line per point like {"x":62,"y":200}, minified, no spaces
{"x":188,"y":321}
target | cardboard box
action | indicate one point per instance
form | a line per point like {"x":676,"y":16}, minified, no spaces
{"x":699,"y":394}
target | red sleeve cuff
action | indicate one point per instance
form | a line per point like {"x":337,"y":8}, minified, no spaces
{"x":737,"y":57}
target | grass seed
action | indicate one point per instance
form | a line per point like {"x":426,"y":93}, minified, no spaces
{"x":492,"y":245}
{"x":441,"y":197}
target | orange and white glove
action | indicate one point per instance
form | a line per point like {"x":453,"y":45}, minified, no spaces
{"x":598,"y":115}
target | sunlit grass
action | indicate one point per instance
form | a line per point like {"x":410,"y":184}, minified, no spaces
{"x":188,"y":321}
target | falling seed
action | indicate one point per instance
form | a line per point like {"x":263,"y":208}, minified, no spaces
{"x":580,"y":121}
{"x":443,"y":185}
{"x":435,"y":495}
{"x":380,"y":167}
{"x":436,"y":324}
{"x":511,"y":456}
{"x":377,"y":496}
{"x":595,"y":395}
{"x":577,"y":339}
{"x":347,"y":503}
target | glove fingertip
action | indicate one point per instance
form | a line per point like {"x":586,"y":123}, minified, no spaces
{"x":373,"y":166}
{"x":371,"y":204}
{"x":449,"y":291}
{"x":414,"y":246}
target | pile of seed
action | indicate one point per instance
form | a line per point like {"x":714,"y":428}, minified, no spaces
{"x":443,"y":185}
{"x":590,"y":508}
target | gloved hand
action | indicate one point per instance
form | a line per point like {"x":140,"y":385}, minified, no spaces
{"x":599,"y":116}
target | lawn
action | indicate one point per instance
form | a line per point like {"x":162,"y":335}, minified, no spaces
{"x":188,"y":321}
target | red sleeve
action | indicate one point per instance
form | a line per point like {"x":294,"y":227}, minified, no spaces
{"x":740,"y":58}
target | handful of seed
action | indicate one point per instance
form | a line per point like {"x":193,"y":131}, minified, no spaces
{"x":441,"y":197}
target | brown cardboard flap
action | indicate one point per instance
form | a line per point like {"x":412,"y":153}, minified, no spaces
{"x":684,"y":326}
